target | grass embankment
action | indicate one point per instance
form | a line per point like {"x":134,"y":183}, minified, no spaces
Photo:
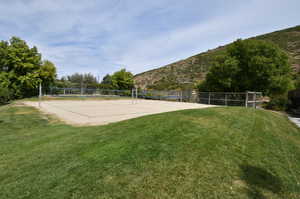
{"x":208,"y":153}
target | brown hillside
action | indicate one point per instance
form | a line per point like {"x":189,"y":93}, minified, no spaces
{"x":195,"y":68}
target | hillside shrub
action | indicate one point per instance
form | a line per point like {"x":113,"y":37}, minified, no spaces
{"x":5,"y":95}
{"x":278,"y":103}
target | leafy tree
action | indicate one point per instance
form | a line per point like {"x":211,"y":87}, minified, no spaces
{"x":250,"y":65}
{"x":47,"y":73}
{"x":86,"y":80}
{"x":122,"y":80}
{"x":63,"y":83}
{"x":76,"y":79}
{"x":106,"y":79}
{"x":106,"y":82}
{"x":5,"y":94}
{"x":23,"y":67}
{"x":90,"y":80}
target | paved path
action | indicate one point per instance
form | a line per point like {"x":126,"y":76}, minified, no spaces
{"x":295,"y":120}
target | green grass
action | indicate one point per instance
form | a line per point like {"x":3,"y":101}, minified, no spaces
{"x":208,"y":153}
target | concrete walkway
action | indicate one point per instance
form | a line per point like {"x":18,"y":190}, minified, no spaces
{"x":295,"y":120}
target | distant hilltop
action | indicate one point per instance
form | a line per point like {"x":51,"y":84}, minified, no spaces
{"x":195,"y":68}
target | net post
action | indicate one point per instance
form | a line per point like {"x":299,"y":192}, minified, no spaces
{"x":246,"y":101}
{"x":136,"y":93}
{"x":40,"y":94}
{"x":181,"y":95}
{"x":132,"y":96}
{"x":254,"y":104}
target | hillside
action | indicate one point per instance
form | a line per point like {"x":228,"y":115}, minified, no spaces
{"x":224,"y":152}
{"x":195,"y":68}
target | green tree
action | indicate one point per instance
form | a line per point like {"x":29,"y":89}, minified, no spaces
{"x":63,"y":82}
{"x":122,"y":80}
{"x":86,"y":80}
{"x":106,"y":82}
{"x":250,"y":65}
{"x":23,"y":67}
{"x":5,"y":93}
{"x":47,"y":73}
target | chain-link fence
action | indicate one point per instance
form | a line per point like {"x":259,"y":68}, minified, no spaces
{"x":248,"y":99}
{"x":87,"y":92}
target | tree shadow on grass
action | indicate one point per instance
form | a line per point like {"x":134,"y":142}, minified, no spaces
{"x":258,"y":179}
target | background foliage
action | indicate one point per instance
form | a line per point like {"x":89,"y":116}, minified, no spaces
{"x":250,"y":65}
{"x":122,"y":80}
{"x":22,"y":69}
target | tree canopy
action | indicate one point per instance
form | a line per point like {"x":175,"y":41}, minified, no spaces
{"x":250,"y":65}
{"x":86,"y":80}
{"x":106,"y":82}
{"x":122,"y":80}
{"x":77,"y":80}
{"x":22,"y":68}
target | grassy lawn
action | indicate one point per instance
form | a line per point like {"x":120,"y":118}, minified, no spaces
{"x":208,"y":153}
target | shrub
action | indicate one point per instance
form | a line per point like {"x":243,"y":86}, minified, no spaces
{"x":278,"y":103}
{"x":4,"y":95}
{"x":251,"y":65}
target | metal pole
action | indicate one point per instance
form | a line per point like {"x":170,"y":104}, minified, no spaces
{"x":136,"y":93}
{"x":40,"y":94}
{"x":81,"y":90}
{"x":246,"y":101}
{"x":225,"y":99}
{"x":208,"y":97}
{"x":181,"y":96}
{"x":132,"y":95}
{"x":254,"y":104}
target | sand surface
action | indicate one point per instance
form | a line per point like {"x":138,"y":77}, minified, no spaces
{"x":98,"y":112}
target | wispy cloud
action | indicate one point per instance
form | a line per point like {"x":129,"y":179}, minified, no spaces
{"x":103,"y":36}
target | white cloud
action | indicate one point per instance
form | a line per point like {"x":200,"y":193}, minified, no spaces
{"x":103,"y":36}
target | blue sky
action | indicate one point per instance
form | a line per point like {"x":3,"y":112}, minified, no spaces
{"x":102,"y":36}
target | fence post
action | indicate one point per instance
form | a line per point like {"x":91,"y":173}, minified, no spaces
{"x":136,"y":92}
{"x":246,"y":100}
{"x":181,"y":95}
{"x":40,"y":94}
{"x":208,"y":97}
{"x":225,"y":99}
{"x":132,"y":95}
{"x":254,"y":104}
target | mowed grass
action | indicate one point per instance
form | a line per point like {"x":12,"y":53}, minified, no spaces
{"x":209,"y":153}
